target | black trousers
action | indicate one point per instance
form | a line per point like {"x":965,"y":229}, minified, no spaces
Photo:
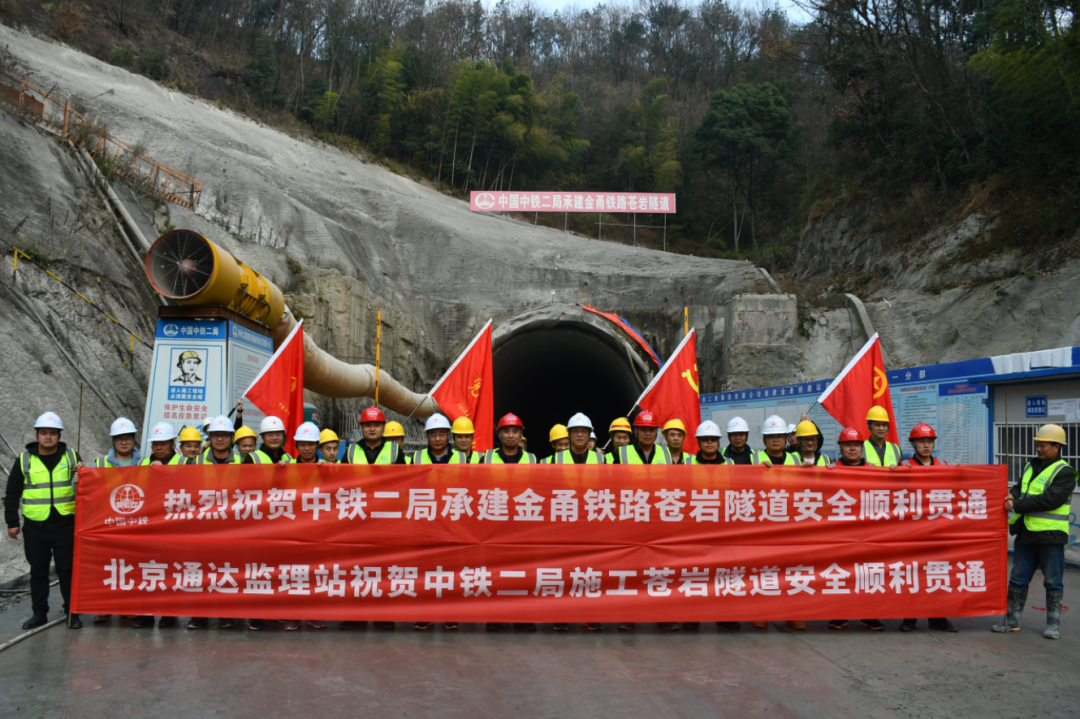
{"x":53,"y":539}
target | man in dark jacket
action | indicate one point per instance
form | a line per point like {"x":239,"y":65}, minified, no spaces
{"x":1040,"y":503}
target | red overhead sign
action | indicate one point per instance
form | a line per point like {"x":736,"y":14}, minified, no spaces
{"x":620,"y":202}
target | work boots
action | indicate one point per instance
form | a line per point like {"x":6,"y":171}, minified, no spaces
{"x":1015,"y":605}
{"x":1054,"y":598}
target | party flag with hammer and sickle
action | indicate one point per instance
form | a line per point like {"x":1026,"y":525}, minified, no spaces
{"x":673,"y":393}
{"x":863,"y":384}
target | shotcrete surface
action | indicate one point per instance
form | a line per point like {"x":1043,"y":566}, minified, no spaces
{"x":110,"y":669}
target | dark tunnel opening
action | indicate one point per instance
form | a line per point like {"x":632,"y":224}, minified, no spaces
{"x":545,"y":376}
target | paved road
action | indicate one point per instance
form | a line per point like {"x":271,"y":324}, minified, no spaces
{"x":113,"y":670}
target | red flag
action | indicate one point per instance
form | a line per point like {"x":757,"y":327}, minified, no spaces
{"x":466,"y":390}
{"x":862,"y":385}
{"x":673,"y":393}
{"x":278,"y":390}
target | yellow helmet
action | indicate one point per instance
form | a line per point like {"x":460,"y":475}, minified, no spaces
{"x":877,"y":414}
{"x":190,"y":434}
{"x":328,"y":435}
{"x":621,"y":424}
{"x":1051,"y":433}
{"x":462,"y":425}
{"x":806,"y":428}
{"x":558,"y":432}
{"x":393,"y":429}
{"x":244,"y":431}
{"x":675,"y":424}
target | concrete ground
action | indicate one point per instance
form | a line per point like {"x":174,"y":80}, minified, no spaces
{"x":112,"y":670}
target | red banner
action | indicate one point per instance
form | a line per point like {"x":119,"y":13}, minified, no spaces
{"x":622,"y":202}
{"x":477,"y":543}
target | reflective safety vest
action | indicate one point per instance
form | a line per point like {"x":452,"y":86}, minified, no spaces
{"x":104,"y":463}
{"x":892,"y":454}
{"x":256,"y":458}
{"x":692,"y":459}
{"x":261,"y":457}
{"x":753,"y":455}
{"x":1056,"y":519}
{"x":176,"y":459}
{"x":822,"y":460}
{"x":43,"y":489}
{"x":387,"y":455}
{"x":628,"y":454}
{"x":492,"y":457}
{"x":789,"y":458}
{"x":565,"y":457}
{"x":474,"y":457}
{"x":208,"y":458}
{"x":421,"y":456}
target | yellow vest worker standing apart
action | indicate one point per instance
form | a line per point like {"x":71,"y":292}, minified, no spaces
{"x":879,"y":451}
{"x":463,"y":432}
{"x":644,"y":449}
{"x":374,"y":448}
{"x":1041,"y":504}
{"x":43,"y":481}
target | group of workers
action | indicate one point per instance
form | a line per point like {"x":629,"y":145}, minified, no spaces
{"x":43,"y":482}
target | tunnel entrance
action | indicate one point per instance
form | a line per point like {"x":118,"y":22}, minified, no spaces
{"x":546,"y":374}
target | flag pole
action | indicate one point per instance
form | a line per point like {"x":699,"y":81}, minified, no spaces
{"x":452,"y":367}
{"x":686,"y":320}
{"x":378,"y":350}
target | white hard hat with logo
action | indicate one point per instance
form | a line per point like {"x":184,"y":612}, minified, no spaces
{"x":122,"y":425}
{"x":436,"y":421}
{"x":791,"y":428}
{"x":774,"y":425}
{"x":162,"y":432}
{"x":307,"y":432}
{"x":708,"y":428}
{"x":271,"y":424}
{"x":221,"y":423}
{"x":49,"y":420}
{"x":737,"y":424}
{"x":579,"y":420}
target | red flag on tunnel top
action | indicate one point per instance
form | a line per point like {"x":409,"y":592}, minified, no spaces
{"x":278,"y":390}
{"x":673,"y":393}
{"x":862,"y":385}
{"x":466,"y":390}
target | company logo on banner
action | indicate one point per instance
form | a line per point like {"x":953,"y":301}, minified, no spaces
{"x":127,"y":499}
{"x":542,"y":543}
{"x":622,"y":202}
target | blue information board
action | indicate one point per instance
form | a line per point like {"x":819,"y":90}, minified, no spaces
{"x":1036,"y":405}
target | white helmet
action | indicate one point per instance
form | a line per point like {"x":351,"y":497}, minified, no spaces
{"x":271,"y":424}
{"x":737,"y":424}
{"x":123,"y":425}
{"x":49,"y":420}
{"x":708,"y":428}
{"x":790,"y":428}
{"x":307,"y":432}
{"x":774,"y":425}
{"x":162,"y":432}
{"x":592,"y":435}
{"x":579,"y":420}
{"x":221,"y":423}
{"x":436,"y":421}
{"x":206,"y":422}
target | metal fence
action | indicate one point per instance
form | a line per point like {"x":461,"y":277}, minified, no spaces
{"x":1014,"y":444}
{"x":39,"y":107}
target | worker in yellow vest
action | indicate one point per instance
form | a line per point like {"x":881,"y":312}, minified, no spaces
{"x":42,"y":482}
{"x":579,"y":429}
{"x":738,"y":451}
{"x":878,"y":451}
{"x":221,"y":432}
{"x":272,"y":450}
{"x":559,"y":438}
{"x":374,"y":448}
{"x":162,"y":446}
{"x":191,"y":444}
{"x":621,"y":433}
{"x":643,"y":450}
{"x":1041,"y":504}
{"x":395,"y":432}
{"x":708,"y":437}
{"x":675,"y":434}
{"x":462,"y":429}
{"x":124,"y":453}
{"x":328,"y":446}
{"x":244,"y":440}
{"x":509,"y":451}
{"x":774,"y":434}
{"x":811,"y":440}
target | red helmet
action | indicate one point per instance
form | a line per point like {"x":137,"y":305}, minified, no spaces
{"x":372,"y":414}
{"x":646,"y":418}
{"x":850,"y":434}
{"x":922,"y":431}
{"x":510,"y":420}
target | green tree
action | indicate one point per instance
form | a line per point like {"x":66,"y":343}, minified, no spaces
{"x":747,"y":133}
{"x":261,"y":72}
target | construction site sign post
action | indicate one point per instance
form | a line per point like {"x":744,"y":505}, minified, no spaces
{"x":557,"y":543}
